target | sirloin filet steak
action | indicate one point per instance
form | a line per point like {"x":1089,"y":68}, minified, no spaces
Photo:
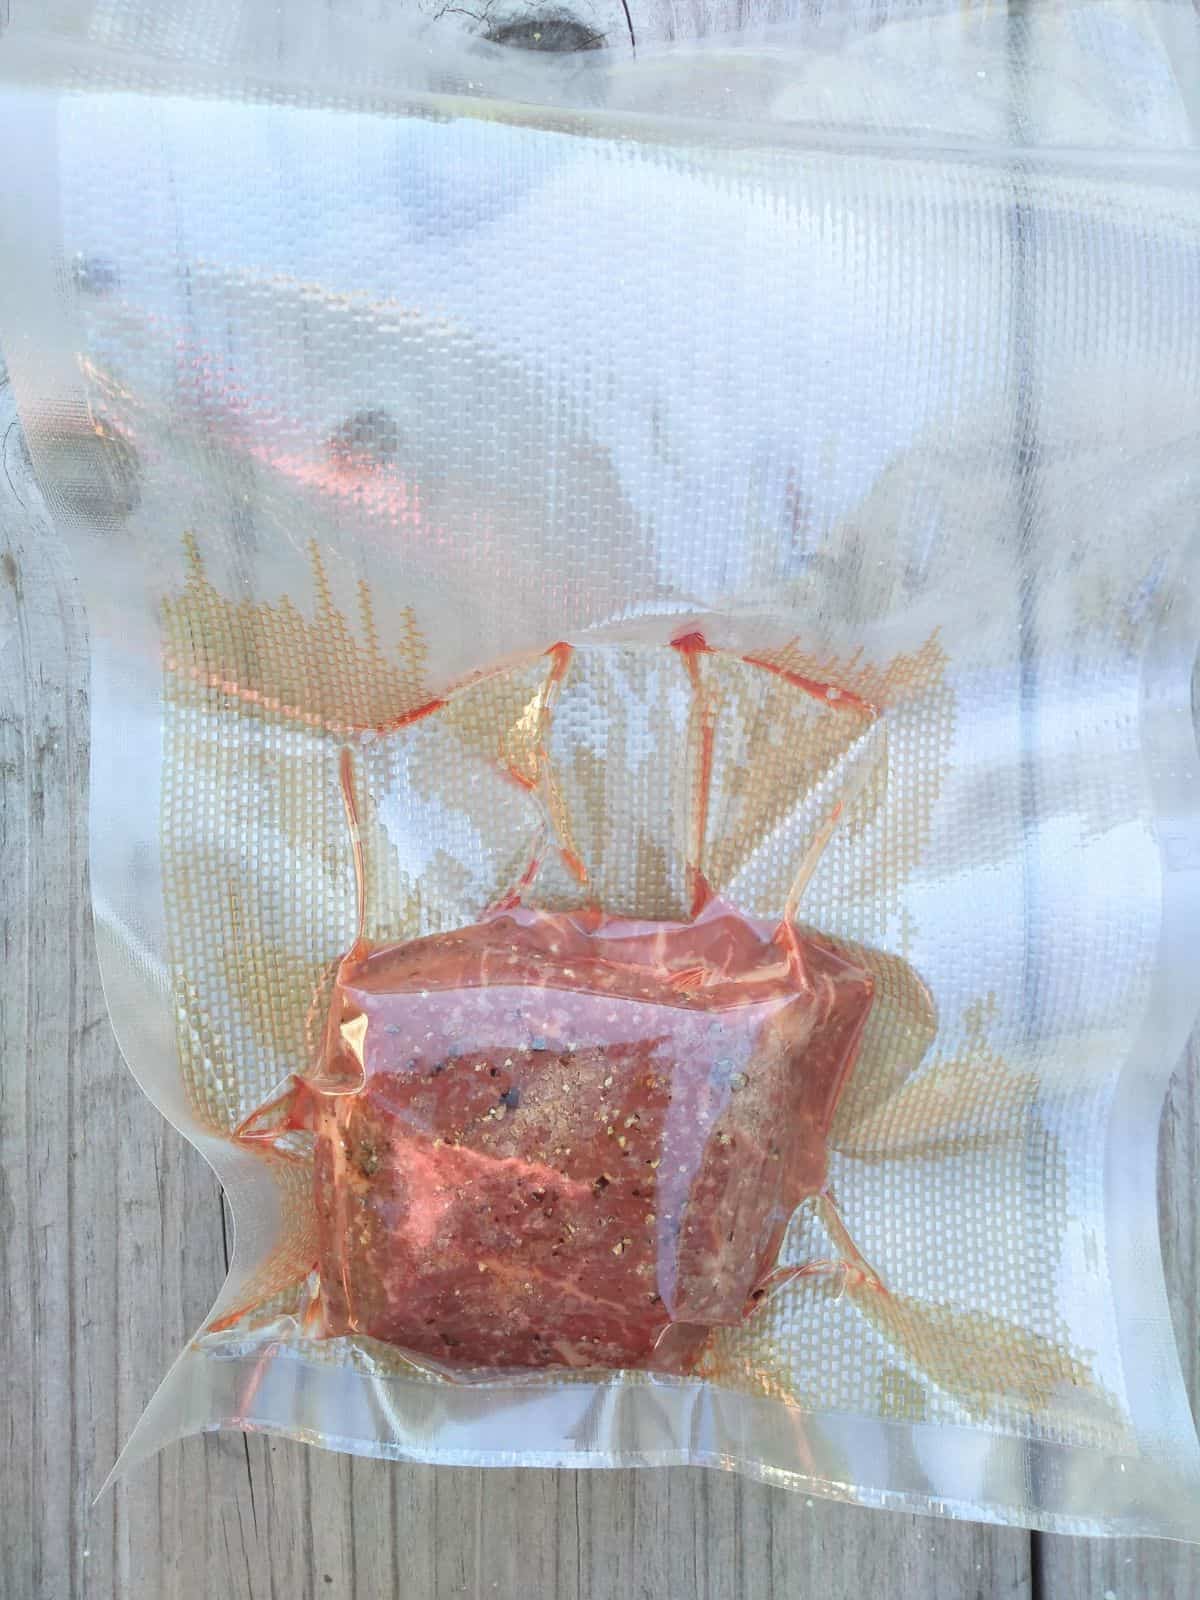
{"x":568,"y":1139}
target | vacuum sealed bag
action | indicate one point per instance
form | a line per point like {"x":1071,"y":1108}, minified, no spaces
{"x":643,"y":806}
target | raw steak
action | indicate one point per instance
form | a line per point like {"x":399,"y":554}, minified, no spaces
{"x":549,"y":1138}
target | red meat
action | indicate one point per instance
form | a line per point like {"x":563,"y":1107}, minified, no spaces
{"x":565,"y":1139}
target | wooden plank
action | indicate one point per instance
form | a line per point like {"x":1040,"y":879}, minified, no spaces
{"x":110,"y":1239}
{"x":112,"y":1247}
{"x":1131,"y":1568}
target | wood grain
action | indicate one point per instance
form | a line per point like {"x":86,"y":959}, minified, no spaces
{"x":112,"y":1245}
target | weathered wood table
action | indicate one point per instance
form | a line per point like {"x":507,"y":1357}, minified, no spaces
{"x":113,"y":1242}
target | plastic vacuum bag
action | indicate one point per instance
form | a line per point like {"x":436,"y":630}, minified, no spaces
{"x":724,"y":509}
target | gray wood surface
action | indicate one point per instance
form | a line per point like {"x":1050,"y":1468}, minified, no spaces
{"x":112,"y":1245}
